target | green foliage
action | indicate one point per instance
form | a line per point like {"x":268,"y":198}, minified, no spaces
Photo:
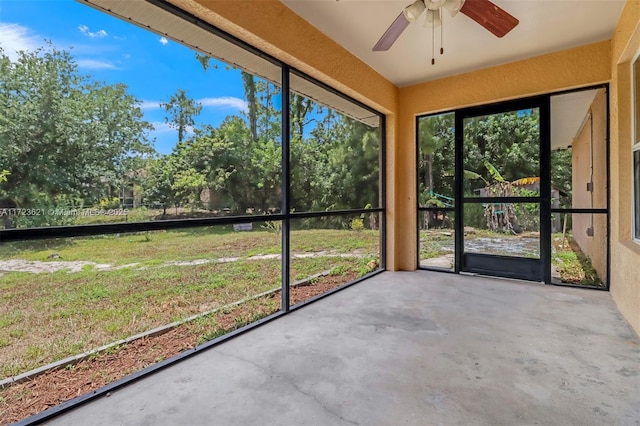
{"x":498,"y":150}
{"x":63,"y":135}
{"x":436,"y":147}
{"x":205,"y":61}
{"x":495,"y":174}
{"x":574,"y":267}
{"x":159,"y":182}
{"x":109,"y":203}
{"x":561,"y":166}
{"x":78,"y":142}
{"x":337,"y":167}
{"x":180,"y":112}
{"x":508,"y":142}
{"x":357,"y":224}
{"x":469,"y":175}
{"x":474,"y":216}
{"x":273,"y":226}
{"x":431,"y":200}
{"x":139,"y":214}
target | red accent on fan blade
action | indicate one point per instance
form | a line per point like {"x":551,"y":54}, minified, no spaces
{"x":490,"y":16}
{"x":391,"y":35}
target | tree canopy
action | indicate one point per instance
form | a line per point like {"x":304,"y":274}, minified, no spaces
{"x":67,"y":139}
{"x":63,"y":135}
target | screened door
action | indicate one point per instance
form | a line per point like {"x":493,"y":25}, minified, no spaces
{"x":500,"y":230}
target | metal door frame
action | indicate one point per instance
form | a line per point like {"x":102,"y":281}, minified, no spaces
{"x":496,"y":265}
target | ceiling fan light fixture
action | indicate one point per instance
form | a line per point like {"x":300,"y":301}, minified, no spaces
{"x":453,"y":6}
{"x":486,"y":13}
{"x":435,"y":4}
{"x":413,"y":11}
{"x":433,"y":19}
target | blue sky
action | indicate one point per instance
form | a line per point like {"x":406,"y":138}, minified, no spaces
{"x":113,"y":51}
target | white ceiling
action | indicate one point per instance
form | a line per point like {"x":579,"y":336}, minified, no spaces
{"x":568,"y":112}
{"x":545,"y":26}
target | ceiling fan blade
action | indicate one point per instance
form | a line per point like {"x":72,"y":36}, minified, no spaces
{"x":391,"y":35}
{"x":490,"y":16}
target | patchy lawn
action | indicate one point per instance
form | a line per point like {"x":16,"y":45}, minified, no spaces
{"x":56,"y":386}
{"x":151,"y":280}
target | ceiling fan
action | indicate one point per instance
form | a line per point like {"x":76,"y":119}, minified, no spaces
{"x":484,"y":12}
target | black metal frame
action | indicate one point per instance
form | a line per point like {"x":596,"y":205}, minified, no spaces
{"x":7,"y":235}
{"x":544,"y":200}
{"x":505,"y":266}
{"x":430,"y":209}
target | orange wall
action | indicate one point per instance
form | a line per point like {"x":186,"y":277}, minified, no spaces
{"x":625,"y":253}
{"x":576,"y":67}
{"x":595,"y":246}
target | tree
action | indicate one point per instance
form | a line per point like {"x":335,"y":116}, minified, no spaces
{"x":62,"y":134}
{"x":300,"y":106}
{"x":255,"y":181}
{"x":5,"y":203}
{"x":208,"y":159}
{"x":181,"y":110}
{"x":250,"y":93}
{"x":159,"y":182}
{"x":354,"y":164}
{"x":561,"y":174}
{"x":435,"y":158}
{"x":510,"y":141}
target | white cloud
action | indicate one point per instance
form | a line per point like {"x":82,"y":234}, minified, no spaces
{"x":98,"y":34}
{"x":15,"y":38}
{"x":150,"y":104}
{"x":95,"y":65}
{"x":161,"y":127}
{"x":221,"y":102}
{"x":164,"y":41}
{"x":224,"y":102}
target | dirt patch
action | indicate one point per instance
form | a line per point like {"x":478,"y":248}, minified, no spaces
{"x":38,"y":267}
{"x":71,"y":266}
{"x":54,"y":387}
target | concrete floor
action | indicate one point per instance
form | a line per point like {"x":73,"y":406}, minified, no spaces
{"x":407,"y":348}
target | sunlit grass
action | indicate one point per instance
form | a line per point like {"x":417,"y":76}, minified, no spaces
{"x":189,"y":244}
{"x":46,"y":317}
{"x":572,"y":264}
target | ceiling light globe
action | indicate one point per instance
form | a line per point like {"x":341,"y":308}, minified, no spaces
{"x":413,"y":11}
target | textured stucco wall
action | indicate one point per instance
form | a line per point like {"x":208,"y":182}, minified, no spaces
{"x":576,"y":67}
{"x":585,"y":148}
{"x":625,"y":254}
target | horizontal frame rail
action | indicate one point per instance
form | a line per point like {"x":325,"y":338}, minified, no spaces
{"x":19,"y":234}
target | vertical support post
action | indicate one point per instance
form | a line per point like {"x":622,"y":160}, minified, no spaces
{"x":383,"y":192}
{"x":545,"y":187}
{"x":608,"y":167}
{"x":286,"y":200}
{"x":459,"y":191}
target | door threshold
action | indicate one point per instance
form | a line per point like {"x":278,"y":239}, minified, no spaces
{"x":496,"y":277}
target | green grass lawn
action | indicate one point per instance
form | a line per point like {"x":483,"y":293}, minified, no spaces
{"x":49,"y":316}
{"x":152,"y":246}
